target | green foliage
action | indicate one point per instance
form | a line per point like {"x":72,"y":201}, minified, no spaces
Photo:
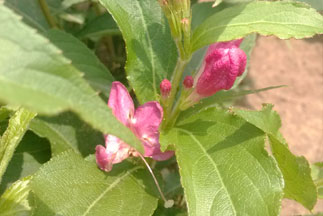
{"x":220,"y":98}
{"x":14,"y":201}
{"x":282,"y":19}
{"x":44,"y":74}
{"x":18,"y":125}
{"x":69,"y":185}
{"x":66,"y":131}
{"x":221,"y":165}
{"x":222,"y":162}
{"x":97,"y":75}
{"x":30,"y":12}
{"x":30,"y":154}
{"x":99,"y":26}
{"x":247,"y":46}
{"x":317,"y":175}
{"x":151,"y":52}
{"x":299,"y":185}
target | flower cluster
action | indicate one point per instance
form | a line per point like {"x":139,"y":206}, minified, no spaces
{"x":223,"y":63}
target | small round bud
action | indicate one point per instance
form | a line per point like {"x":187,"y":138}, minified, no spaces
{"x":165,"y":87}
{"x":188,"y":82}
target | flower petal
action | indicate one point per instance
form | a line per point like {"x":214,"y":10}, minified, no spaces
{"x":116,"y":148}
{"x":102,"y":158}
{"x":146,"y":121}
{"x":145,"y":125}
{"x":115,"y":152}
{"x":121,"y":103}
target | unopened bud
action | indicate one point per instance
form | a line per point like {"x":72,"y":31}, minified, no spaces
{"x":188,"y":82}
{"x":165,"y":87}
{"x":223,"y":63}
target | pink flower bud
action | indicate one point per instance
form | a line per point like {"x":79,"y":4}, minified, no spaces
{"x":221,"y":66}
{"x":188,"y":82}
{"x":165,"y":87}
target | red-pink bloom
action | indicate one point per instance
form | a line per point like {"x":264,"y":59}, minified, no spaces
{"x":143,"y":122}
{"x":223,"y":63}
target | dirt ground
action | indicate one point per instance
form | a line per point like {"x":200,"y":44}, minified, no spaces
{"x":298,"y":64}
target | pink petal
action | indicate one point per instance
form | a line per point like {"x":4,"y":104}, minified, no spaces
{"x":145,"y":125}
{"x":102,"y":158}
{"x":115,"y":152}
{"x":121,"y":103}
{"x":147,"y":119}
{"x":118,"y":149}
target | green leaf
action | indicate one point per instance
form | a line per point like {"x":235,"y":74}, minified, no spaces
{"x":30,"y":11}
{"x":47,"y":82}
{"x":282,"y":19}
{"x":30,"y":154}
{"x":219,"y":98}
{"x":299,"y":185}
{"x":18,"y":125}
{"x":224,"y":167}
{"x":67,"y":131}
{"x":84,"y":60}
{"x":247,"y":46}
{"x":69,"y":185}
{"x":151,"y":52}
{"x":317,"y":175}
{"x":14,"y":201}
{"x":203,"y":10}
{"x":4,"y":113}
{"x":99,"y":26}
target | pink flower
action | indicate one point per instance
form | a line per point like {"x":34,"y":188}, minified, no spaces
{"x":223,"y":63}
{"x":143,"y":122}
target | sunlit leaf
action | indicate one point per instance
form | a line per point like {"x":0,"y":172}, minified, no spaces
{"x":45,"y":81}
{"x":151,"y":52}
{"x":224,"y":167}
{"x":299,"y":185}
{"x":282,"y":19}
{"x":68,"y":185}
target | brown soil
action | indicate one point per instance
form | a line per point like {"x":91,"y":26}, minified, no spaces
{"x":298,"y":64}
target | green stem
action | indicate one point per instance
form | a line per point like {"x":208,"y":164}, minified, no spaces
{"x":50,"y":19}
{"x":176,"y":79}
{"x":18,"y":125}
